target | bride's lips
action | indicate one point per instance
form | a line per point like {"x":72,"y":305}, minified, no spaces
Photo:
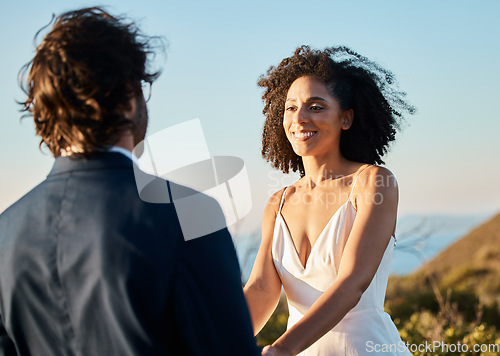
{"x":303,"y":135}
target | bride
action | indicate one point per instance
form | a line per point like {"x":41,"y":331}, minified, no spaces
{"x":328,"y":238}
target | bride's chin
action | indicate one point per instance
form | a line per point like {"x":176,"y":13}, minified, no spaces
{"x":302,"y":153}
{"x":303,"y":150}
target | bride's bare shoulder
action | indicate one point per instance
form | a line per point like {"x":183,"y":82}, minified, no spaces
{"x":274,"y":202}
{"x":375,"y":182}
{"x":377,"y":176}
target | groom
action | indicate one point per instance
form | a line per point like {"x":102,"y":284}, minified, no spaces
{"x":86,"y":266}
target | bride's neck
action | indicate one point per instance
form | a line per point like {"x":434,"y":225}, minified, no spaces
{"x":317,"y":171}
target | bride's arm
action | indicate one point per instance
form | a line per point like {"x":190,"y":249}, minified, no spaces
{"x":263,"y":288}
{"x":376,"y":197}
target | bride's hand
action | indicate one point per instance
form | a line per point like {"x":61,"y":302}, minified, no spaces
{"x":270,"y":350}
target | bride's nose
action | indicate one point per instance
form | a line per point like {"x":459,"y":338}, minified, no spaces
{"x":300,"y":115}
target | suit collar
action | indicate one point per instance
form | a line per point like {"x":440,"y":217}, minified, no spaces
{"x":102,"y":160}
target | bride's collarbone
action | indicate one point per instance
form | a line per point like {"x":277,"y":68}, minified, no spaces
{"x":306,"y":222}
{"x":316,"y":202}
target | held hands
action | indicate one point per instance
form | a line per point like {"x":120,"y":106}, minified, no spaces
{"x":270,"y":350}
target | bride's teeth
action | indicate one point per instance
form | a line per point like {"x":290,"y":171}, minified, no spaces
{"x":304,"y":134}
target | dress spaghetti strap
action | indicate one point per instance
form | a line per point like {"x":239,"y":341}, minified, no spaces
{"x":282,"y":199}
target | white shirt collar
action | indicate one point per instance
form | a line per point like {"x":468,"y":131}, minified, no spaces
{"x":124,"y":152}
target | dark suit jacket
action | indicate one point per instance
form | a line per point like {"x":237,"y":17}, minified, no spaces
{"x":88,"y":268}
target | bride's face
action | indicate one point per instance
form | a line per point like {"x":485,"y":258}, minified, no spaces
{"x":313,"y":118}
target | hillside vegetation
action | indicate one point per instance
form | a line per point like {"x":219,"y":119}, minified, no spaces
{"x":469,"y":269}
{"x":455,"y":297}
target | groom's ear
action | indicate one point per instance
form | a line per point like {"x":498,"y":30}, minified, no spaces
{"x":129,"y":110}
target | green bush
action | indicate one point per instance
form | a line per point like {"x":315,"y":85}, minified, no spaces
{"x":276,"y":325}
{"x":425,"y":328}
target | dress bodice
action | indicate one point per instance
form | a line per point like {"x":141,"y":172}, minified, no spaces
{"x":303,"y":285}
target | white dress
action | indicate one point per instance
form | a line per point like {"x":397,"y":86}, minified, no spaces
{"x":366,"y":329}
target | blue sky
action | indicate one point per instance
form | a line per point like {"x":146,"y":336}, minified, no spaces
{"x":444,"y":54}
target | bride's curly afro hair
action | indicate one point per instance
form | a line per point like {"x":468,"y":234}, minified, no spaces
{"x":356,"y":82}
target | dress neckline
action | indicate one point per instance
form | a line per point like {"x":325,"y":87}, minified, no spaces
{"x":304,"y":267}
{"x":313,"y":248}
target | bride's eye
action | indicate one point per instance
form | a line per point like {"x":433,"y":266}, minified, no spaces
{"x":290,"y":108}
{"x":316,"y":108}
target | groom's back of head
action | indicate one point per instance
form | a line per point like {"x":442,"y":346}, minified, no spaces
{"x":82,"y":77}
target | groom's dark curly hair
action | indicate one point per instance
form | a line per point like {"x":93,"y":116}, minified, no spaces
{"x":356,"y":82}
{"x":82,"y":77}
